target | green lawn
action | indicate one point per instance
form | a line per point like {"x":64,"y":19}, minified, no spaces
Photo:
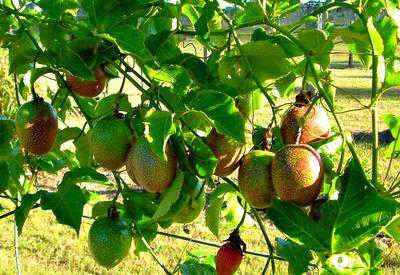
{"x":49,"y":248}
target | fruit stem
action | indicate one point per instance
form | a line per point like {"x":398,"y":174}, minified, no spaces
{"x":260,"y":224}
{"x":16,"y":252}
{"x":243,"y":217}
{"x":299,"y":129}
{"x":267,"y":240}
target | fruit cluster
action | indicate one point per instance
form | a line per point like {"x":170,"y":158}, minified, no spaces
{"x":294,"y":173}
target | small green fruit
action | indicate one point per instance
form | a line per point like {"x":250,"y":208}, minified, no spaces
{"x":109,"y":241}
{"x":149,"y":170}
{"x":297,"y":174}
{"x":36,"y":126}
{"x":254,"y":178}
{"x":111,"y":141}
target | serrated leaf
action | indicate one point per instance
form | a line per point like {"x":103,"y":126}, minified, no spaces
{"x":54,"y":8}
{"x":75,"y":64}
{"x":160,"y":127}
{"x":130,"y":40}
{"x":83,"y":150}
{"x":221,"y":109}
{"x":139,"y":203}
{"x":169,"y":197}
{"x":267,"y":61}
{"x":148,"y":229}
{"x":4,"y":175}
{"x":86,"y":174}
{"x":393,"y":229}
{"x":252,"y":12}
{"x":199,"y":262}
{"x":21,"y":214}
{"x":7,"y":133}
{"x":67,"y":204}
{"x":202,"y":159}
{"x":106,"y":105}
{"x":362,"y":212}
{"x":291,"y":252}
{"x":292,"y":221}
{"x":173,"y":76}
{"x":213,"y":211}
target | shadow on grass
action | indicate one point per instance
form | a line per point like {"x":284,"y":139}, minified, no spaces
{"x":385,"y":137}
{"x":366,"y":93}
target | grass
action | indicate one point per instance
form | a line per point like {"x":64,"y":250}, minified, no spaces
{"x":49,"y":248}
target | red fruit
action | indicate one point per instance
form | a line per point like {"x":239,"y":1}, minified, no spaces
{"x":228,"y":259}
{"x":88,"y":88}
{"x":316,"y":126}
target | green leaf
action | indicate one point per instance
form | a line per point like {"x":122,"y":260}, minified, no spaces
{"x":376,"y":38}
{"x":172,"y":76}
{"x":393,"y":229}
{"x":148,"y":230}
{"x":67,"y":204}
{"x":196,"y":67}
{"x":362,"y":212}
{"x":199,"y":262}
{"x":106,"y":105}
{"x":53,"y":36}
{"x":21,"y":214}
{"x":48,"y":164}
{"x":299,"y":227}
{"x":55,"y":8}
{"x":213,"y":211}
{"x":4,"y":176}
{"x":79,"y":175}
{"x":7,"y":133}
{"x":319,"y":44}
{"x":372,"y":255}
{"x":291,"y":252}
{"x":131,"y":41}
{"x":252,"y":12}
{"x":267,"y":61}
{"x":139,"y":203}
{"x":202,"y":159}
{"x":169,"y":197}
{"x":221,"y":109}
{"x":160,"y":127}
{"x":357,"y":40}
{"x":75,"y":64}
{"x":22,"y":53}
{"x":83,"y":150}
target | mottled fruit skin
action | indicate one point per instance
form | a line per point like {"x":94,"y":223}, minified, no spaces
{"x":109,"y":241}
{"x":316,"y":126}
{"x":149,"y":170}
{"x":254,"y":178}
{"x":111,"y":141}
{"x":227,"y":150}
{"x":192,"y":210}
{"x":36,"y":125}
{"x":228,"y":259}
{"x":88,"y":88}
{"x":297,"y":174}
